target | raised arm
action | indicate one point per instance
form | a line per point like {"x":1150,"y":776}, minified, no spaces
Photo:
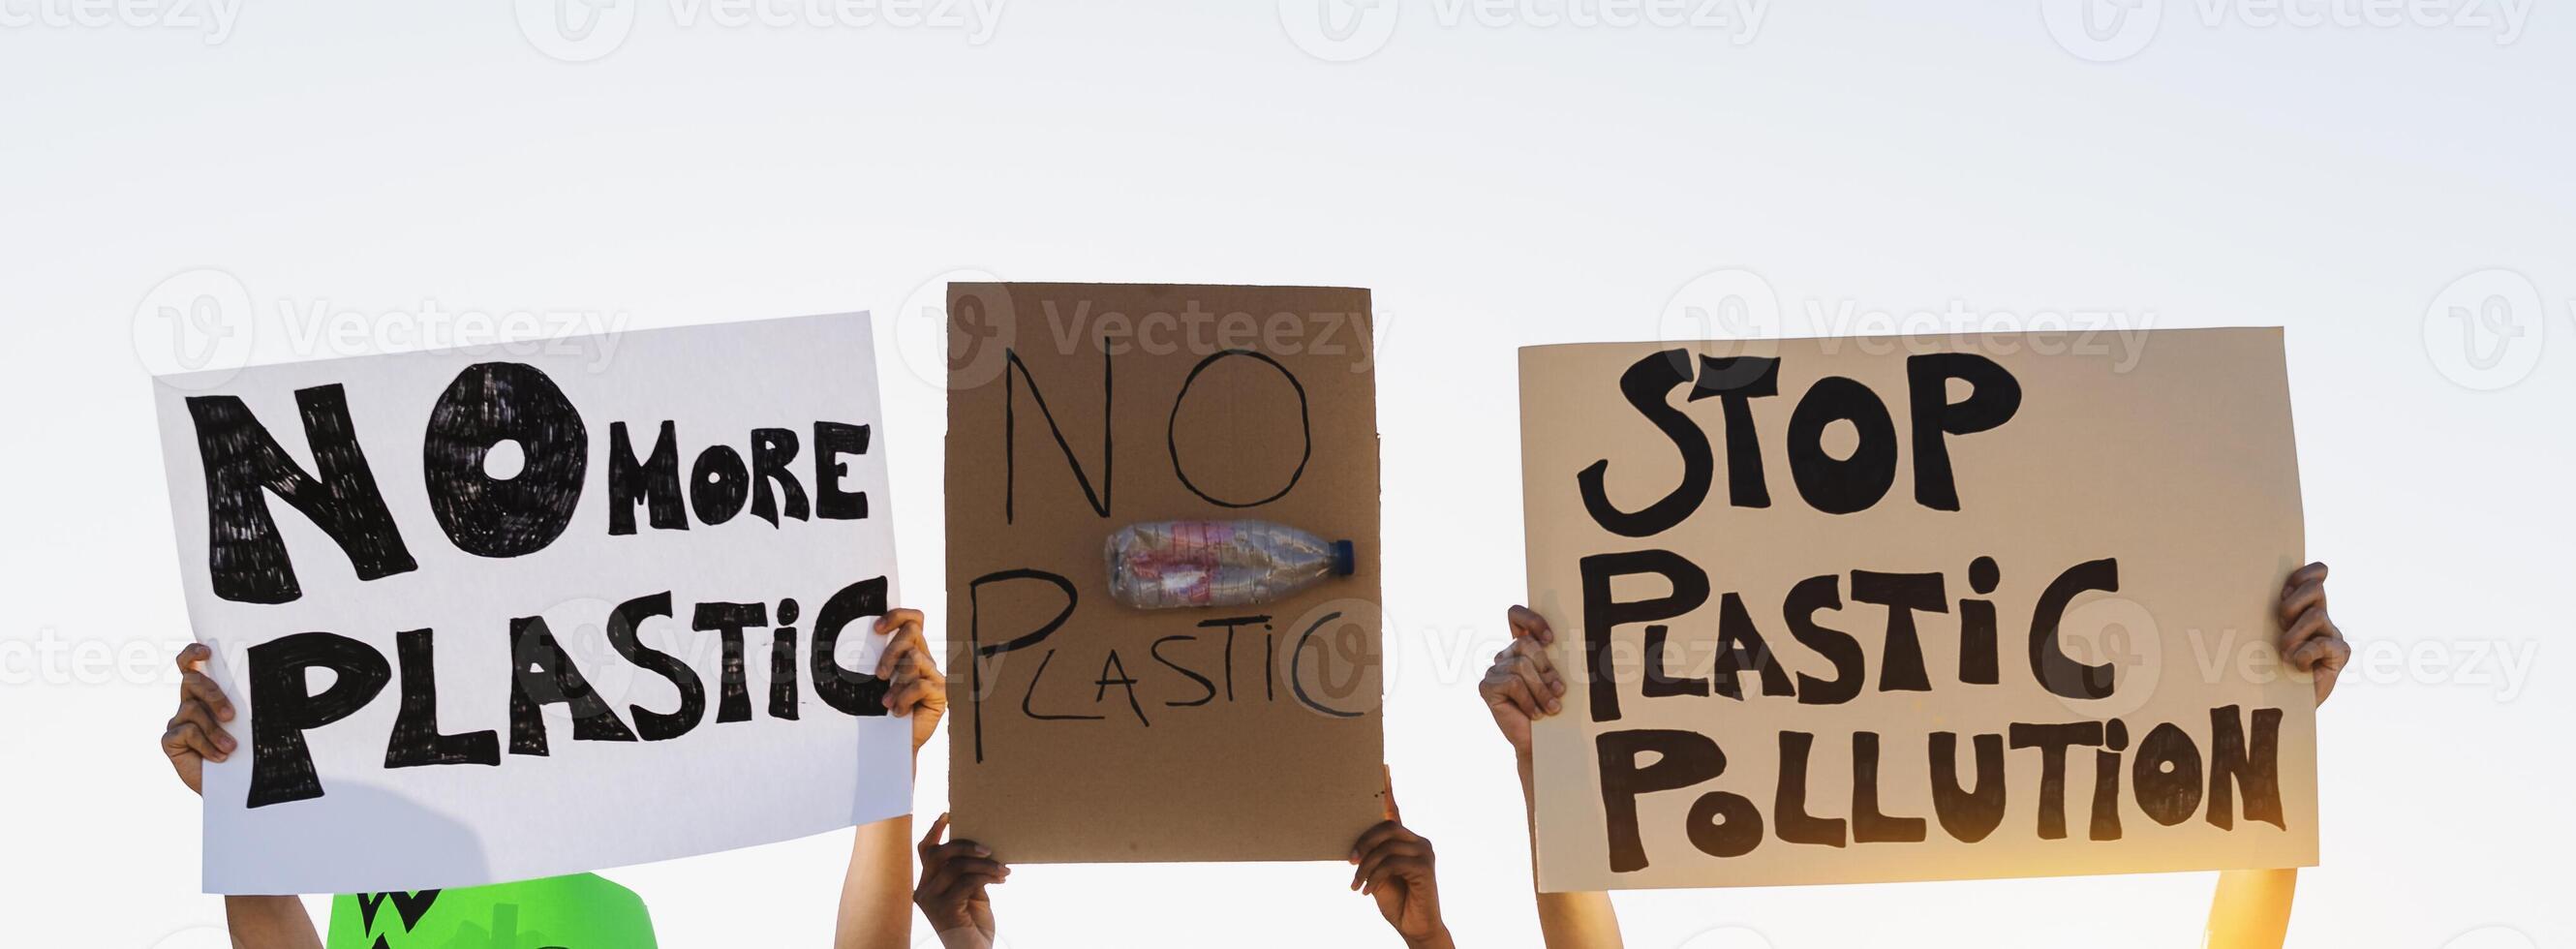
{"x":269,"y":922}
{"x":2251,"y":909}
{"x":1521,"y":688}
{"x":874,"y":913}
{"x":195,"y":736}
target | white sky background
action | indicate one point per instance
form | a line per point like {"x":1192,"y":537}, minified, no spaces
{"x":1496,"y":185}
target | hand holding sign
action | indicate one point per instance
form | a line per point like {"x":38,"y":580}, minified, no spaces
{"x":1152,"y":619}
{"x":1395,"y":867}
{"x":195,"y":734}
{"x":2310,"y":642}
{"x":515,"y":617}
{"x":915,"y":688}
{"x":2251,"y":908}
{"x":1523,"y":685}
{"x":951,"y":893}
{"x":1956,"y":586}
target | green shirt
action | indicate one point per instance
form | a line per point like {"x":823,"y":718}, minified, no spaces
{"x":581,"y":911}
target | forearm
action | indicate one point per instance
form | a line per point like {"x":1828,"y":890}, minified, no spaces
{"x":2251,"y":909}
{"x":876,"y":891}
{"x":1566,"y":920}
{"x":1440,"y":941}
{"x":269,"y":922}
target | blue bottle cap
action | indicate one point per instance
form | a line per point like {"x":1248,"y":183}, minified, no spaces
{"x":1345,"y":561}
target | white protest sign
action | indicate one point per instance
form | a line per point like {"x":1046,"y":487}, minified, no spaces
{"x":507,"y":613}
{"x":1850,"y":610}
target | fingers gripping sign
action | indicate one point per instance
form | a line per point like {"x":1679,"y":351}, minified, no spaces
{"x":1394,"y":865}
{"x":195,"y":734}
{"x":915,"y":689}
{"x":1523,"y":686}
{"x":951,"y":893}
{"x":2310,"y":641}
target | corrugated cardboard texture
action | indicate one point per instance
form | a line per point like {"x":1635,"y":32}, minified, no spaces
{"x":1255,"y":741}
{"x":2170,"y":451}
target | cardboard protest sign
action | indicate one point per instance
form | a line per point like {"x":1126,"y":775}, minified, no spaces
{"x":538,"y":609}
{"x":1086,"y":729}
{"x":1853,"y":610}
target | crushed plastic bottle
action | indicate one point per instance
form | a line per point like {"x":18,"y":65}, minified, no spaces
{"x":1166,"y":564}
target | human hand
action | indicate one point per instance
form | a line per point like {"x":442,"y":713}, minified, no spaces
{"x":1522,"y":686}
{"x":1395,"y":866}
{"x":2310,"y":642}
{"x":914,"y":687}
{"x":951,"y":893}
{"x":194,"y":735}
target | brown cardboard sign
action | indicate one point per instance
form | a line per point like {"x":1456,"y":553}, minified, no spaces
{"x":1855,"y":610}
{"x":1087,"y":730}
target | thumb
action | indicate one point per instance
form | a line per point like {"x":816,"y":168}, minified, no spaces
{"x":931,"y":839}
{"x":1387,"y":774}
